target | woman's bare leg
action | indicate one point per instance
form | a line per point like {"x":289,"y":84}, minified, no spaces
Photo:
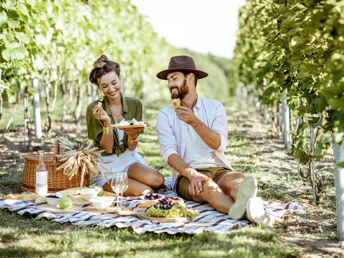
{"x":145,"y":175}
{"x":135,"y":188}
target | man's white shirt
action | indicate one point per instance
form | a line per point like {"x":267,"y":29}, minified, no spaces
{"x":176,"y":136}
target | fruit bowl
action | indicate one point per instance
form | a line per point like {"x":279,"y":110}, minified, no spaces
{"x":53,"y":199}
{"x":89,"y":193}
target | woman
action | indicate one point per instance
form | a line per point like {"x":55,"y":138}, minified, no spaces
{"x":119,"y":146}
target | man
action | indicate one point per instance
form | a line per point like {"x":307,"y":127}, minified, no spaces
{"x":193,"y":138}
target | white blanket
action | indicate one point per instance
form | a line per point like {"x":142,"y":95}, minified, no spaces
{"x":209,"y":220}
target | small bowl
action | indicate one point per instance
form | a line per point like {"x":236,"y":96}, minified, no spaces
{"x":153,"y":197}
{"x":102,"y":203}
{"x":53,"y":199}
{"x":89,"y":193}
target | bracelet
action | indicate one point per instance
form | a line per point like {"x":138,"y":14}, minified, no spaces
{"x":106,"y":130}
{"x":132,"y":139}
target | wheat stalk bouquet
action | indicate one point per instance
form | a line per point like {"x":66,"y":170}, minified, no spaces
{"x":78,"y":155}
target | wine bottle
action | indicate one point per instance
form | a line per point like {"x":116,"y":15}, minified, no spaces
{"x":41,"y":176}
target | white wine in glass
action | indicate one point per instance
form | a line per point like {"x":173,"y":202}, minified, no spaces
{"x":119,"y":183}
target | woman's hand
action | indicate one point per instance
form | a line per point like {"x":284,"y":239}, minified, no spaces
{"x":100,"y":114}
{"x":132,"y":137}
{"x":132,"y":132}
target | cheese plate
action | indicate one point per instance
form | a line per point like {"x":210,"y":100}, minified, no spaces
{"x":57,"y":210}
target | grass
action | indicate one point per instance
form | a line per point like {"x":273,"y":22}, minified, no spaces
{"x":25,"y":236}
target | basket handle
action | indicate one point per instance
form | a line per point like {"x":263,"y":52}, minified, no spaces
{"x":56,"y":151}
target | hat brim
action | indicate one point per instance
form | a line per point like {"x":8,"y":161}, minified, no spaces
{"x":163,"y":74}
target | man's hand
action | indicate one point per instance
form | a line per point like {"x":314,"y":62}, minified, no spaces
{"x":196,"y":180}
{"x":186,"y":114}
{"x":100,"y":114}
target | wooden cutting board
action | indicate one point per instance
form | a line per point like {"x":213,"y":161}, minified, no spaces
{"x":57,"y":210}
{"x":141,"y":213}
{"x":139,"y":126}
{"x":112,"y":210}
{"x":109,"y":210}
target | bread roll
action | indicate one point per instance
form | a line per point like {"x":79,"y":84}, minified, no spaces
{"x":175,"y":103}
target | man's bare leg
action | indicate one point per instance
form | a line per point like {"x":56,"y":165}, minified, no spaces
{"x":229,"y":183}
{"x":214,"y":196}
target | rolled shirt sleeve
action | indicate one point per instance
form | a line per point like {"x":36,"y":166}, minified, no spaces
{"x":219,"y":125}
{"x":94,"y":126}
{"x":166,"y":136}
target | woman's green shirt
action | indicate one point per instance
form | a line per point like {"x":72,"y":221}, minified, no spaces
{"x":132,"y":108}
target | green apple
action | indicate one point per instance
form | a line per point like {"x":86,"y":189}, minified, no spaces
{"x":99,"y":189}
{"x":65,"y":203}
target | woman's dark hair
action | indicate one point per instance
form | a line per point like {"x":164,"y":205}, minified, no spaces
{"x":103,"y":66}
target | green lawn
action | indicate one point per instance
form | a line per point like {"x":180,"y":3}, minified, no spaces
{"x":25,"y":236}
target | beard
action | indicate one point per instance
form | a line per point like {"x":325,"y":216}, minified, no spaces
{"x":181,"y":91}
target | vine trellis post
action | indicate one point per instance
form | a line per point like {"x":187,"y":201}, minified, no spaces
{"x":338,"y":151}
{"x":266,"y":113}
{"x":312,"y":161}
{"x":26,"y":114}
{"x":286,"y":122}
{"x":37,"y":111}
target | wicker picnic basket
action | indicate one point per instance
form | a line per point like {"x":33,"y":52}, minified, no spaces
{"x":57,"y":181}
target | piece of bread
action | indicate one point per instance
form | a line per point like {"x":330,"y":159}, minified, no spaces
{"x":147,"y":204}
{"x":126,"y":212}
{"x":175,"y":103}
{"x":71,"y":191}
{"x":40,"y":200}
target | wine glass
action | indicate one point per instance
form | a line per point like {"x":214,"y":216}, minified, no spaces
{"x":119,"y":183}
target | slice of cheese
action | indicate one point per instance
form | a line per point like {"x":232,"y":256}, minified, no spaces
{"x":147,"y":204}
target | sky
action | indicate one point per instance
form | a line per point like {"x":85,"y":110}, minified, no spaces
{"x":206,"y":26}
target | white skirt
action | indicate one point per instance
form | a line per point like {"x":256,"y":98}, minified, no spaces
{"x":116,"y":164}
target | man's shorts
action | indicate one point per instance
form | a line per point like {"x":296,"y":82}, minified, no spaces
{"x":214,"y":173}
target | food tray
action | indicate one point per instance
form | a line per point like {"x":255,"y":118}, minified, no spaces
{"x":141,"y":214}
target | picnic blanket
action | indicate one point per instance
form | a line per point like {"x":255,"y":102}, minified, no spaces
{"x":209,"y":220}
